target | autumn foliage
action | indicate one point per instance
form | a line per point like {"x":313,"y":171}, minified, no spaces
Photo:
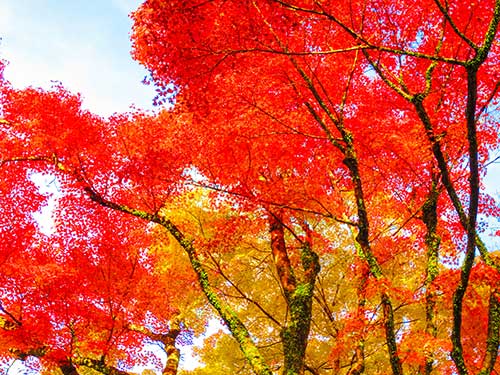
{"x":315,"y":177}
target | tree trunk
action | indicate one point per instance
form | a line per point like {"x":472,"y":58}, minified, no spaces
{"x":298,"y":294}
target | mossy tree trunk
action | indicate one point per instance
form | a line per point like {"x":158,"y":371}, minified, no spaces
{"x":298,"y":293}
{"x":235,"y":325}
{"x":432,"y":241}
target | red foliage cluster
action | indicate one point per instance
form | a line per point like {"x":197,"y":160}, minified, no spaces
{"x":319,"y":113}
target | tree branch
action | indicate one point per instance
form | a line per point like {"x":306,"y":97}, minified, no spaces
{"x":235,"y":325}
{"x":168,"y":340}
{"x":448,"y":18}
{"x":280,"y":254}
{"x":94,"y":364}
{"x":493,"y":338}
{"x":359,"y":38}
{"x":243,"y":294}
{"x":6,"y":324}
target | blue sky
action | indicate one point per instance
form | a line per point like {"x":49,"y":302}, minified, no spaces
{"x":83,"y":44}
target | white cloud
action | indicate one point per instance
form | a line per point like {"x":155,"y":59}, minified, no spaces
{"x":492,"y":180}
{"x":5,"y":17}
{"x":126,"y":6}
{"x":88,"y":52}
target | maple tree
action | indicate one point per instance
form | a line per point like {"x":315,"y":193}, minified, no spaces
{"x":320,"y":171}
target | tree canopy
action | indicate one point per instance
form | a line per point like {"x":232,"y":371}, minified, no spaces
{"x":313,"y":179}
